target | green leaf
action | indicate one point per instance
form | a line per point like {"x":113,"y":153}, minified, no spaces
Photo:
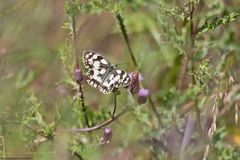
{"x":212,"y":25}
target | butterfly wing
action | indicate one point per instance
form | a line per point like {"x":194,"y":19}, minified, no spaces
{"x":117,"y":78}
{"x":94,"y":78}
{"x":99,"y":75}
{"x":97,"y":67}
{"x":124,"y":79}
{"x":93,"y":60}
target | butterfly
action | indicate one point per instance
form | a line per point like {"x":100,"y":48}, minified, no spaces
{"x":103,"y":75}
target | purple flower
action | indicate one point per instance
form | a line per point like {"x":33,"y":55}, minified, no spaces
{"x":142,"y":95}
{"x":107,"y":135}
{"x":135,"y":79}
{"x":140,"y":77}
{"x":78,"y":76}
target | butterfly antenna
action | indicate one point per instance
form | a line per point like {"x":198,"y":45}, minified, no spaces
{"x":120,"y":64}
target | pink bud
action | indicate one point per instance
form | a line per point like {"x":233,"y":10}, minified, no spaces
{"x":107,"y":135}
{"x":78,"y":75}
{"x":142,"y":95}
{"x":134,"y":85}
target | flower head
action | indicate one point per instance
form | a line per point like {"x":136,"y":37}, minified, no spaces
{"x":107,"y":135}
{"x":142,"y":95}
{"x":78,"y":76}
{"x":140,"y":77}
{"x":135,"y":77}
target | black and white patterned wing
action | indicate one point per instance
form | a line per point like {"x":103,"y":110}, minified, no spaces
{"x":94,"y":78}
{"x":93,"y":60}
{"x":124,"y":79}
{"x":117,"y":78}
{"x":100,"y":75}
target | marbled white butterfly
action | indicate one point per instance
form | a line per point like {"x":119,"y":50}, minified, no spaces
{"x":102,"y":74}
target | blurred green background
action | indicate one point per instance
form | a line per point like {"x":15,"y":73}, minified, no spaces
{"x":37,"y":89}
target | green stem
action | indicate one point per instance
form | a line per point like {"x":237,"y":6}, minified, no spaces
{"x":126,"y":39}
{"x":197,"y":111}
{"x":154,"y":109}
{"x":115,"y":103}
{"x":192,"y":38}
{"x":77,"y":64}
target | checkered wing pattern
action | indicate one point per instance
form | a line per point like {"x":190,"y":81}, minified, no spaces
{"x":102,"y":74}
{"x":93,"y":60}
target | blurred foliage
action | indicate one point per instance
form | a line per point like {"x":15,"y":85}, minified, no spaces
{"x":188,"y":53}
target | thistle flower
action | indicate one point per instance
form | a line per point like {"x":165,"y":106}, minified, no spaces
{"x":135,"y":77}
{"x":142,"y":95}
{"x":107,"y":135}
{"x":78,"y":76}
{"x":140,"y":77}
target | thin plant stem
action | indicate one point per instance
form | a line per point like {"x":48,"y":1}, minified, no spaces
{"x":79,"y":87}
{"x":198,"y":117}
{"x":192,"y":38}
{"x":154,"y":109}
{"x":187,"y":136}
{"x":98,"y":126}
{"x":75,"y":40}
{"x":78,"y":155}
{"x":115,"y":103}
{"x":126,"y":39}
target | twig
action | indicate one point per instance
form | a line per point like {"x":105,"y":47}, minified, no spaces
{"x":198,"y":118}
{"x":154,"y":109}
{"x":126,"y":39}
{"x":74,"y":39}
{"x":98,"y":126}
{"x":78,"y":155}
{"x":192,"y":38}
{"x":79,"y":90}
{"x":79,"y":87}
{"x":187,"y":135}
{"x":125,"y":36}
{"x":115,"y":103}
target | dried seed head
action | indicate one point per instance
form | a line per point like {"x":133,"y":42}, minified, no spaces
{"x":142,"y":95}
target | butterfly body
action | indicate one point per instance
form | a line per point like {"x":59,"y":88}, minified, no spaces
{"x":102,"y":74}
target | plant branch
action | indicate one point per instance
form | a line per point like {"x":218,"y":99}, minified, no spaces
{"x":187,"y":136}
{"x":98,"y":126}
{"x":78,"y":155}
{"x":75,"y":39}
{"x":126,"y":39}
{"x":191,"y":53}
{"x":154,"y":109}
{"x":115,"y":103}
{"x":79,"y":87}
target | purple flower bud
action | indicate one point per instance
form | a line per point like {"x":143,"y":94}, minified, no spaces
{"x":140,"y":77}
{"x":134,"y":85}
{"x":107,"y":135}
{"x":142,"y":95}
{"x":78,"y":76}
